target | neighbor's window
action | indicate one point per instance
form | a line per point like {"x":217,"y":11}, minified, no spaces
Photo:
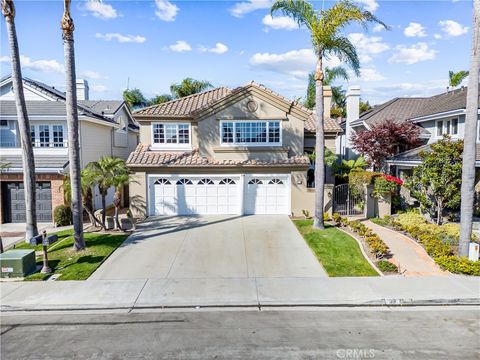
{"x":447,"y":127}
{"x":47,"y":135}
{"x":439,"y":128}
{"x":455,"y":126}
{"x":251,"y":132}
{"x":171,"y":134}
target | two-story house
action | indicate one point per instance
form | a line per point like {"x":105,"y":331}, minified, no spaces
{"x":225,"y":151}
{"x":105,"y":128}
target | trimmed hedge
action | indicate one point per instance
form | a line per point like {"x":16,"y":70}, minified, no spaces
{"x":376,"y":245}
{"x":437,"y":241}
{"x":62,"y":215}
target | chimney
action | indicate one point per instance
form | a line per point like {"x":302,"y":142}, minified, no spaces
{"x":82,"y":89}
{"x":353,"y":113}
{"x":327,"y":101}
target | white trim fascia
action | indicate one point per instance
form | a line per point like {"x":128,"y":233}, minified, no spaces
{"x":439,"y":115}
{"x":37,"y":170}
{"x":360,"y":123}
{"x":101,"y":122}
{"x":404,"y":162}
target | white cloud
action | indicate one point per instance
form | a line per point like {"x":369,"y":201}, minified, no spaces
{"x":427,"y":88}
{"x":37,"y":65}
{"x":367,"y":46}
{"x":415,"y":30}
{"x":296,"y":63}
{"x":452,"y":28}
{"x":437,"y":36}
{"x":279,"y":22}
{"x":92,"y":75}
{"x":218,"y":49}
{"x":413,"y":54}
{"x":99,"y":88}
{"x":101,"y":10}
{"x":121,"y":38}
{"x":180,"y":46}
{"x":165,"y":10}
{"x":370,"y":5}
{"x":371,"y":74}
{"x":245,"y":7}
{"x":378,"y":28}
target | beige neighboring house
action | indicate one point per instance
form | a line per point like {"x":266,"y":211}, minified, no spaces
{"x":106,"y":128}
{"x":225,"y":151}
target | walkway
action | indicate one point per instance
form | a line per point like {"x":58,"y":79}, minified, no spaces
{"x":410,"y":256}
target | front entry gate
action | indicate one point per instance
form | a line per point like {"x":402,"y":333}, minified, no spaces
{"x":347,"y":202}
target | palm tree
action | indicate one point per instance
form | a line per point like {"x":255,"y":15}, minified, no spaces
{"x":121,"y":179}
{"x":134,"y":98}
{"x":468,"y":165}
{"x":72,"y":126}
{"x":160,"y":99}
{"x":104,"y":171}
{"x":325,"y":27}
{"x":189,"y":86}
{"x":88,"y":183}
{"x":456,"y":78}
{"x":331,"y":74}
{"x":8,"y":10}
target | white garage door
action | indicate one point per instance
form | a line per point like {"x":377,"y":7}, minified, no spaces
{"x":267,"y":194}
{"x":195,"y":195}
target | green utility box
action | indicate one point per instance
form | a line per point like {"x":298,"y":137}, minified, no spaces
{"x":17,"y":263}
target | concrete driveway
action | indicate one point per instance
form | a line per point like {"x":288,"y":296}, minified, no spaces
{"x":212,"y":247}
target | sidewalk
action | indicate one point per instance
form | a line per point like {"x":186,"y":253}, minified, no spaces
{"x":255,"y":292}
{"x":410,"y":256}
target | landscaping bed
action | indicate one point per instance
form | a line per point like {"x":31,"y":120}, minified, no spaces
{"x":338,"y":252}
{"x":76,"y":265}
{"x":439,"y":241}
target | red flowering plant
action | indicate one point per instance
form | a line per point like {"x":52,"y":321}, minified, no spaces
{"x":386,"y":184}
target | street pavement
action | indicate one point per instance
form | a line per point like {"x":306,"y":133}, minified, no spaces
{"x":414,"y":333}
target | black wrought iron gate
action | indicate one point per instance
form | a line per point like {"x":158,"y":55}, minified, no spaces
{"x":347,"y":202}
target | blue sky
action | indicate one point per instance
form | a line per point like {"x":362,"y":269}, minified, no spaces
{"x":152,"y":44}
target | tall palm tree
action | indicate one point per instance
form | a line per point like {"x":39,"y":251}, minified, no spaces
{"x":331,"y":74}
{"x":104,"y":171}
{"x":189,"y":86}
{"x":8,"y":10}
{"x":325,"y":28}
{"x":456,"y":78}
{"x":72,"y":126}
{"x":468,"y":165}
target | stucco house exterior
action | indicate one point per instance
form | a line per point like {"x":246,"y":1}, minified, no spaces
{"x":225,"y":151}
{"x":106,"y":128}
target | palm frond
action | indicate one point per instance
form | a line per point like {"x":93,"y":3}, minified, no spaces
{"x":336,"y":72}
{"x":342,"y":48}
{"x":299,"y":10}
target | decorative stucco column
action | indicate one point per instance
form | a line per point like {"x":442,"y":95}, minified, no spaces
{"x":369,"y":208}
{"x":328,"y":199}
{"x":384,"y":202}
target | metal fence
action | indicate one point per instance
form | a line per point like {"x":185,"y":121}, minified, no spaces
{"x":347,"y":202}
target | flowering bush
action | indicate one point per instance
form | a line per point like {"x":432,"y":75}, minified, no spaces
{"x":394,"y":179}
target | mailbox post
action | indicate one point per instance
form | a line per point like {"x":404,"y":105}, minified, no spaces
{"x":45,"y":241}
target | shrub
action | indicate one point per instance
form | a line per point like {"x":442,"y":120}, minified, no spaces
{"x":386,"y":266}
{"x":459,"y":265}
{"x":62,"y":215}
{"x":336,"y":218}
{"x":326,"y":217}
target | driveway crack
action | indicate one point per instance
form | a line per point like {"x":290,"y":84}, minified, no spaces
{"x":245,"y":247}
{"x":179,"y":249}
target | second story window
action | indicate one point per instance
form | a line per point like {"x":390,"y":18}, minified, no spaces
{"x":48,"y":135}
{"x":447,"y":127}
{"x":168,"y":134}
{"x":251,"y":133}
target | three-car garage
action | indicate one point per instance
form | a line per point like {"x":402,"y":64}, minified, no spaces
{"x":219,"y":194}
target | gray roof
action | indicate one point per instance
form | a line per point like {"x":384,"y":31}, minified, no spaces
{"x":414,"y":154}
{"x":106,"y":107}
{"x":403,"y":109}
{"x":41,"y":161}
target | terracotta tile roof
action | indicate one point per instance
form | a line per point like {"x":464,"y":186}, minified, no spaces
{"x":186,"y":105}
{"x":330,"y":125}
{"x":143,"y":156}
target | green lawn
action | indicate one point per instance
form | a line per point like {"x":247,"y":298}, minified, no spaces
{"x":338,"y":252}
{"x":73,"y":265}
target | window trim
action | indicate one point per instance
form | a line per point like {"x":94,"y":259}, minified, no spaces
{"x":51,"y":144}
{"x":446,"y":126}
{"x":243,"y":144}
{"x":171,"y":145}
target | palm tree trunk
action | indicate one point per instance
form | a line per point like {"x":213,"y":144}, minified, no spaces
{"x":72,"y":126}
{"x":468,"y":165}
{"x":104,"y":208}
{"x":319,"y":147}
{"x":8,"y":11}
{"x":117,"y":200}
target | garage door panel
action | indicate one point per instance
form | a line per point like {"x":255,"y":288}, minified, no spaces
{"x":267,"y":195}
{"x":15,"y":202}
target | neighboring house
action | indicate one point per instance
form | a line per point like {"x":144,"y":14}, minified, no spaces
{"x":224,"y":151}
{"x":106,"y":128}
{"x":435,"y":116}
